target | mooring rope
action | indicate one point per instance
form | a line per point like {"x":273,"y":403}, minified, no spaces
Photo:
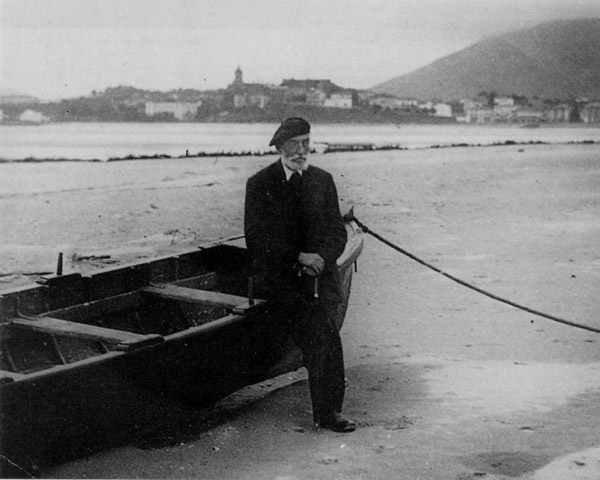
{"x":466,"y":284}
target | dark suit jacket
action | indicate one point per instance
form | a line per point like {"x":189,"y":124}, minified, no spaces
{"x":271,"y":226}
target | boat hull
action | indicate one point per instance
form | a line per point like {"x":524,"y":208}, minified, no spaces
{"x":70,"y":410}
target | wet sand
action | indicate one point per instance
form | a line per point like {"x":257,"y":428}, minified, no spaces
{"x":444,"y":383}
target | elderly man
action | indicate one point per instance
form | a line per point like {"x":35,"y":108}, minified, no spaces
{"x":295,"y":233}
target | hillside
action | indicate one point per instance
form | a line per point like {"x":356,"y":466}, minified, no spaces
{"x":559,"y":59}
{"x":8,"y":96}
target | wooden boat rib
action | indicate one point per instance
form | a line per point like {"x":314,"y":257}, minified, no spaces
{"x":81,"y":355}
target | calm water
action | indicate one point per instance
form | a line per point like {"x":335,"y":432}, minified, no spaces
{"x":86,"y":141}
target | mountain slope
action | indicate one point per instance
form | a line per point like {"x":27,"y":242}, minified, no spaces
{"x":560,"y":59}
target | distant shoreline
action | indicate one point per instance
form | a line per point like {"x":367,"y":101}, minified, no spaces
{"x":328,"y":148}
{"x":397,"y":121}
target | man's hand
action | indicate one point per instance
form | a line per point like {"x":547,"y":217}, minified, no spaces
{"x":311,"y":263}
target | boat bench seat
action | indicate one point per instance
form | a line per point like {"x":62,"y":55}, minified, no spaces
{"x":121,"y":339}
{"x":239,"y":305}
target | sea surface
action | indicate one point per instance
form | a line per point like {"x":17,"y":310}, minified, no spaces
{"x":104,"y":141}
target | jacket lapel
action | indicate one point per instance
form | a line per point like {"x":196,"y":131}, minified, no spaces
{"x":276,"y":180}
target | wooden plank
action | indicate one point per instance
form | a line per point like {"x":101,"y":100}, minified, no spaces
{"x":98,"y":308}
{"x":58,"y":351}
{"x":205,"y":297}
{"x":206,"y":280}
{"x":54,"y":326}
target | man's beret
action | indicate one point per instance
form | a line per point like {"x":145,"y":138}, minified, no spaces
{"x":290,"y":128}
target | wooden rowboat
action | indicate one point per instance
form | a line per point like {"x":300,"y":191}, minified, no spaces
{"x":79,"y":354}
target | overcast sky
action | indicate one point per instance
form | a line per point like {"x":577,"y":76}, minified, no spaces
{"x":67,"y":48}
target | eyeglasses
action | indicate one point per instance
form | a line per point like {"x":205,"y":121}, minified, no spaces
{"x":294,"y":146}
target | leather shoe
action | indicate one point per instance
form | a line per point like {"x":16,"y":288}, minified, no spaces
{"x":338,"y":423}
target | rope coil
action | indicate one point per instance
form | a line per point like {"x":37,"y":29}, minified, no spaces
{"x":468,"y":285}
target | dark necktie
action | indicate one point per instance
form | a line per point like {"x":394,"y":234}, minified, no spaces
{"x":294,"y":182}
{"x":294,"y":212}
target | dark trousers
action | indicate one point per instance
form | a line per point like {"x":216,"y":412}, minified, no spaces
{"x":313,"y":329}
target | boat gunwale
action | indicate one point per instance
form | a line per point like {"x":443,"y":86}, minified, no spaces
{"x":350,"y":254}
{"x":352,"y":251}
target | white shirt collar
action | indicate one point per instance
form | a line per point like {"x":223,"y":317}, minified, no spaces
{"x":288,"y":172}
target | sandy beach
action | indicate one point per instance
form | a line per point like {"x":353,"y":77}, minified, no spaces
{"x":444,"y":383}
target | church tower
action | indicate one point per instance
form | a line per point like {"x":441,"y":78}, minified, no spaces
{"x":238,"y":76}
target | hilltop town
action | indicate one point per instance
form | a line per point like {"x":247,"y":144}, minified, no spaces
{"x":318,"y":99}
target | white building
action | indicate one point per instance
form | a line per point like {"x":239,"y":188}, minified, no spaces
{"x":390,"y":102}
{"x":528,"y":115}
{"x":591,"y":113}
{"x":406,"y":102}
{"x":339,"y":100}
{"x":180,"y":110}
{"x":247,"y":99}
{"x":505,"y":109}
{"x":442,"y":110}
{"x":316,"y":97}
{"x":476,"y":111}
{"x":504,"y":102}
{"x":31,"y":116}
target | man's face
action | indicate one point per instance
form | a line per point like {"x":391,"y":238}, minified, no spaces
{"x":294,"y":152}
